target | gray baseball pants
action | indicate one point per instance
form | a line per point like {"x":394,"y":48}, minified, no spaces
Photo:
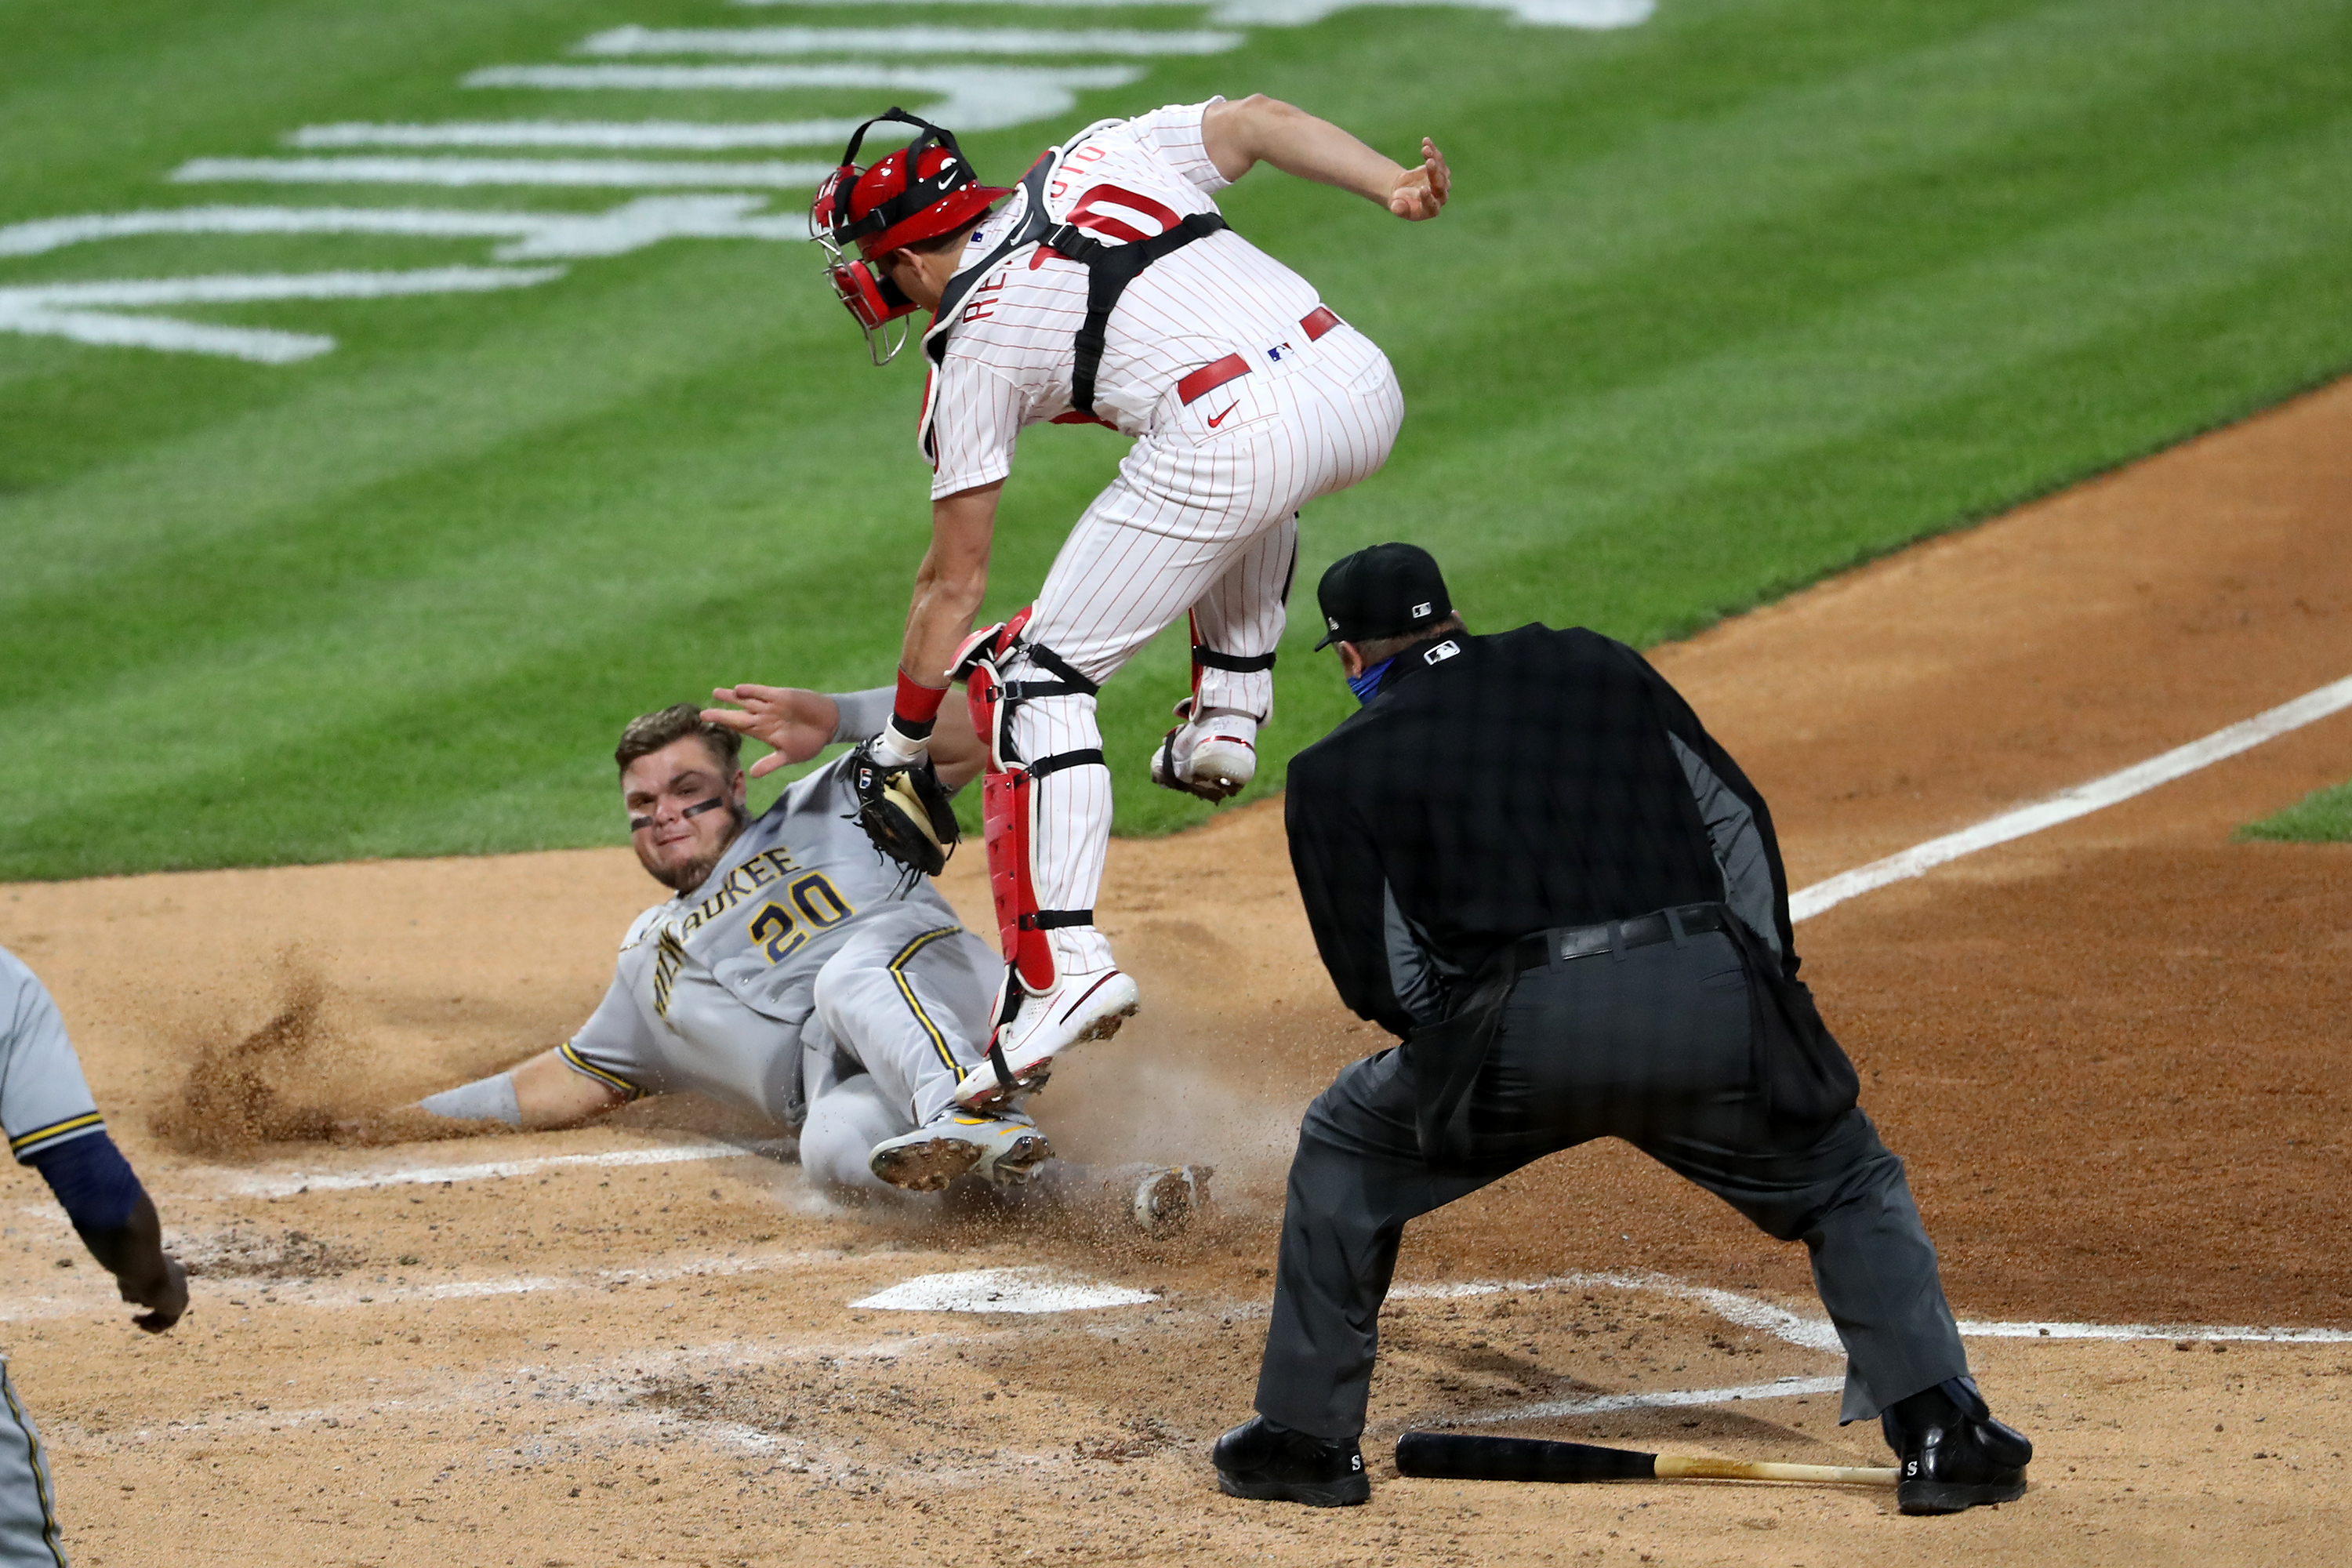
{"x":1653,"y":1045}
{"x":28,"y":1504}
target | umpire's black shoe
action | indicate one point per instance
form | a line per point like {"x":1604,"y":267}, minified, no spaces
{"x":1953,"y":1454}
{"x":1275,"y":1464}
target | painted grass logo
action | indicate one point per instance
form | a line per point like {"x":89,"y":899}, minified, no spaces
{"x":975,"y":78}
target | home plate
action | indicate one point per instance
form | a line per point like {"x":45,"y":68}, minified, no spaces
{"x":1001,"y":1290}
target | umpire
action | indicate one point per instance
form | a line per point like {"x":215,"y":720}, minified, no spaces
{"x":1527,"y":859}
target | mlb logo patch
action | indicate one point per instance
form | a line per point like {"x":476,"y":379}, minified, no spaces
{"x":1421,"y":612}
{"x":1442,"y":652}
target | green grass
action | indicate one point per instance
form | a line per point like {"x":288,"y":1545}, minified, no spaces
{"x":1726,"y":302}
{"x":2323,"y":816}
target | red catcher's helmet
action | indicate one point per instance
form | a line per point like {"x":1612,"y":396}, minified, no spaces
{"x":922,"y":191}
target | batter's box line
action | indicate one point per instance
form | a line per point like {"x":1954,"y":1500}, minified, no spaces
{"x":1818,"y":1333}
{"x":238,"y":1184}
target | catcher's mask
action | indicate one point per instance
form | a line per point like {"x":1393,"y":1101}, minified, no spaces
{"x":921,"y":190}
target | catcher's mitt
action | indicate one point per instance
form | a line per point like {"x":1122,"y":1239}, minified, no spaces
{"x":904,"y":810}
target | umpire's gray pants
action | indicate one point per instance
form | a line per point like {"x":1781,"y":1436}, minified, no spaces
{"x":28,"y":1504}
{"x":1653,"y":1045}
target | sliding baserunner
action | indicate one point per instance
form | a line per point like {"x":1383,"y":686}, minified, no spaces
{"x":795,"y":975}
{"x":1109,"y":289}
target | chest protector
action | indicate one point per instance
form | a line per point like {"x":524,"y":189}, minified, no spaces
{"x":1110,"y":269}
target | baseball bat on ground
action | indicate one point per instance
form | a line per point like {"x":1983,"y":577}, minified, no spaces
{"x":1460,"y":1457}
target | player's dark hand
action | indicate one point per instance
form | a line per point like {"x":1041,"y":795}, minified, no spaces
{"x":1421,"y":193}
{"x":797,"y":724}
{"x":165,"y":1298}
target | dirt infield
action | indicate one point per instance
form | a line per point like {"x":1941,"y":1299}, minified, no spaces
{"x":2113,"y":1055}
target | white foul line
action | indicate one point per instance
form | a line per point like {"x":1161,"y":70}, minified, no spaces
{"x":2079,"y":801}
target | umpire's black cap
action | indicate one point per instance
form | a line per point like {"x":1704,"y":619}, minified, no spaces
{"x":1383,"y":592}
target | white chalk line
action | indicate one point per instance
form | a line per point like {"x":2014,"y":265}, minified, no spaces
{"x":531,"y":236}
{"x":1029,"y":88}
{"x":80,"y":312}
{"x":465,"y":172}
{"x":616,"y":135}
{"x":1742,"y":1311}
{"x":1662,"y":1399}
{"x":886,"y":41}
{"x":222,"y":1292}
{"x":289,"y":1184}
{"x":1820,"y":1334}
{"x":1586,"y":14}
{"x":2079,"y":801}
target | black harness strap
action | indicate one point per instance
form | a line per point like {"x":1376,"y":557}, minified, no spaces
{"x":1054,"y":920}
{"x":1237,"y":663}
{"x":1110,"y":269}
{"x":1091,"y":757}
{"x":1079,"y":686}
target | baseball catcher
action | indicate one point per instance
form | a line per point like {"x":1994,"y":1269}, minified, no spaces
{"x":1106,"y":289}
{"x":796,"y":974}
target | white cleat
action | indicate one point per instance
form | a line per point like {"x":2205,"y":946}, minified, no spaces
{"x":1169,"y":1198}
{"x":1077,"y":1008}
{"x":1210,"y":760}
{"x":1003,"y":1149}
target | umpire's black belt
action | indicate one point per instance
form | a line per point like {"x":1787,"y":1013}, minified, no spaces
{"x":1563,"y":943}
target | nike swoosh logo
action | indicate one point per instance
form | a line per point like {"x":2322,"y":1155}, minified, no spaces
{"x":1220,"y":419}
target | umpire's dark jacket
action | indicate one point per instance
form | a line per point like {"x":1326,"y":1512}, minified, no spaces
{"x":1534,"y":779}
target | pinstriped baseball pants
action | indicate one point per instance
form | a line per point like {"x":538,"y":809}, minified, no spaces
{"x":1203,"y":517}
{"x":28,"y":1503}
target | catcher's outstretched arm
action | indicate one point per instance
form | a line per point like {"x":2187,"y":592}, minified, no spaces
{"x":1240,"y":133}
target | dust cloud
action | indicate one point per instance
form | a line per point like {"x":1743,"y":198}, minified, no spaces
{"x":283,"y":1083}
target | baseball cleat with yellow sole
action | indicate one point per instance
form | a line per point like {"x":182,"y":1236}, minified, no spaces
{"x":1002,"y":1149}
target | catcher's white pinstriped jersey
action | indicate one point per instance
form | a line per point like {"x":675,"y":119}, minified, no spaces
{"x":1009,"y":362}
{"x":713,"y":988}
{"x":1203,"y":514}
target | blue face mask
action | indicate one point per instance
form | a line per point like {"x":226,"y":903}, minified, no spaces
{"x":1367,"y":685}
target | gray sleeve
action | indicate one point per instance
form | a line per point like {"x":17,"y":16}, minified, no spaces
{"x":863,"y":713}
{"x":613,"y":1047}
{"x":1738,"y":847}
{"x":1413,"y":974}
{"x":44,"y":1099}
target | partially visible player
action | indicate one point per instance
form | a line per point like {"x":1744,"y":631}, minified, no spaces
{"x":53,"y":1125}
{"x":1109,"y":289}
{"x":795,"y":975}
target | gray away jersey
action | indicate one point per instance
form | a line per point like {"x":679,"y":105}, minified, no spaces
{"x":712,"y":987}
{"x":44,"y":1100}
